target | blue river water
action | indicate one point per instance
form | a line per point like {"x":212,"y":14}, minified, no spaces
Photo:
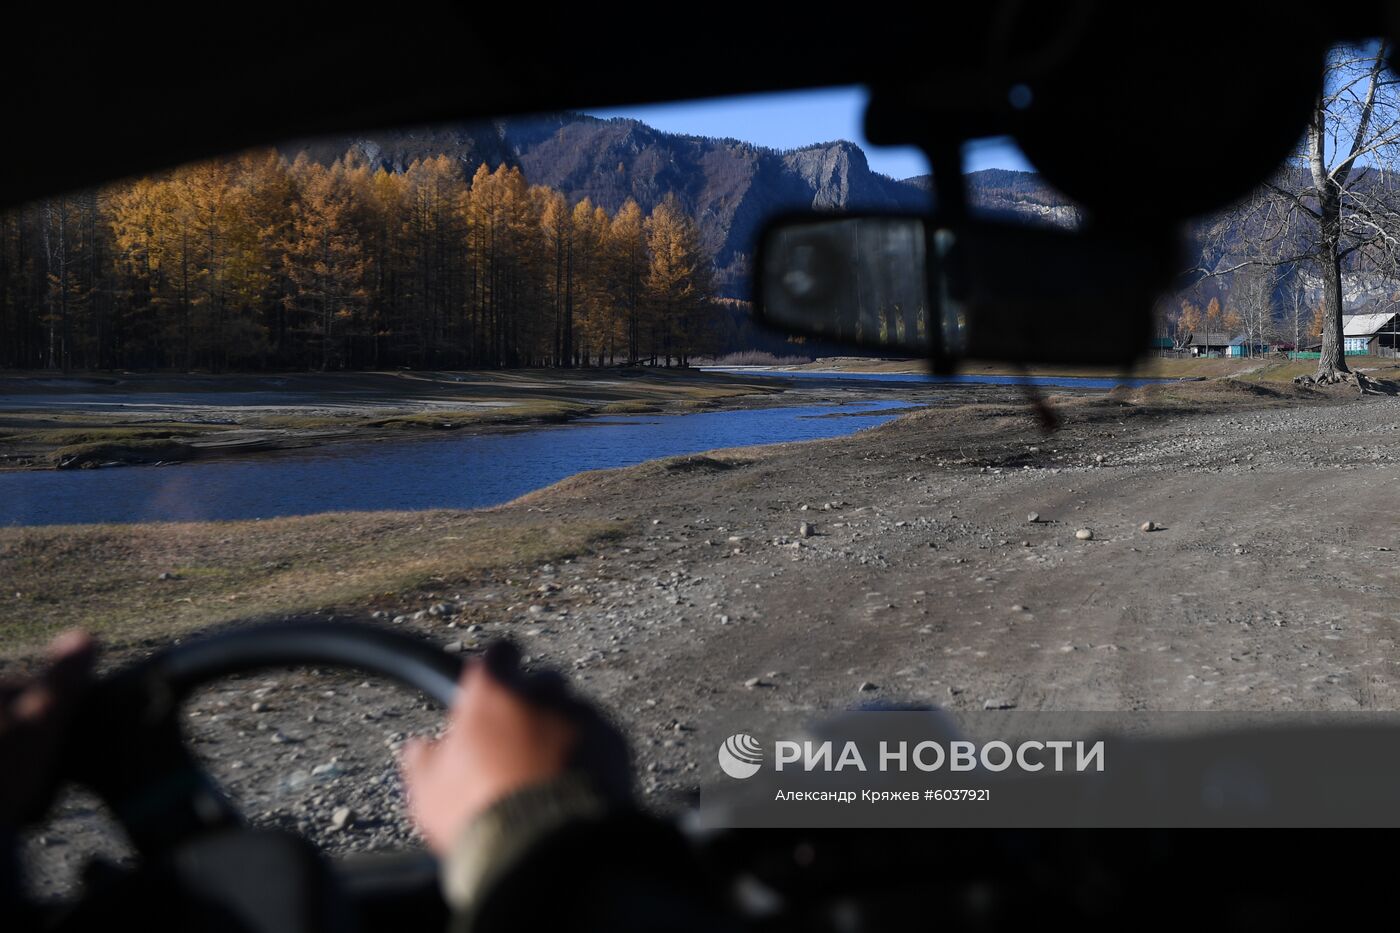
{"x":449,"y":471}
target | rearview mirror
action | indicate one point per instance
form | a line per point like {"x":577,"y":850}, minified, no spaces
{"x":974,"y":290}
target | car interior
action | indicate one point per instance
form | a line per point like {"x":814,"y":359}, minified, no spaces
{"x":1097,"y":96}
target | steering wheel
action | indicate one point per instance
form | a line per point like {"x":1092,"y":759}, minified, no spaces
{"x":201,"y":866}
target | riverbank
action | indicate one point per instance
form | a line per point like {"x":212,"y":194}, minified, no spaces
{"x":1268,"y":370}
{"x":1150,"y":368}
{"x":141,"y":582}
{"x":75,"y":422}
{"x":933,"y":560}
{"x":49,"y":422}
{"x":417,"y":471}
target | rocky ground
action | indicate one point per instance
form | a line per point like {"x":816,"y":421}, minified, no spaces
{"x":957,"y":556}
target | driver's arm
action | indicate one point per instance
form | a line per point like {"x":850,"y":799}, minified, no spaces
{"x":526,"y":841}
{"x":34,"y":717}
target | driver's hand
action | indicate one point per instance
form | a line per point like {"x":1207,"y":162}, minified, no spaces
{"x":34,"y":715}
{"x":497,"y":742}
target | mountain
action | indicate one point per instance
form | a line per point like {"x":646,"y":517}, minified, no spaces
{"x":1012,"y":194}
{"x":731,"y":187}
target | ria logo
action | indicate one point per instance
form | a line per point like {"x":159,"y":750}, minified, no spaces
{"x":741,"y":756}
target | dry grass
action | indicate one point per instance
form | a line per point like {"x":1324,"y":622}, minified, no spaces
{"x":140,"y":451}
{"x":66,"y":436}
{"x":629,"y":408}
{"x":1150,"y":368}
{"x":1271,"y":370}
{"x":1212,"y":395}
{"x":1375,"y":366}
{"x":1279,"y":372}
{"x":755,"y":358}
{"x":106,"y":578}
{"x":1175,"y":368}
{"x":1283,"y":372}
{"x":537,"y":412}
{"x":95,"y":439}
{"x":865,"y":364}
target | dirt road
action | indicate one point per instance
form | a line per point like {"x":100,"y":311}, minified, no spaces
{"x":1270,"y":584}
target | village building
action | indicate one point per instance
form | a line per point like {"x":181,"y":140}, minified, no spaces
{"x":1224,"y":344}
{"x":1371,"y":334}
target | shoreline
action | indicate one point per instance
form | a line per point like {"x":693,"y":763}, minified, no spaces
{"x":934,"y":560}
{"x":1272,"y":369}
{"x":109,"y":420}
{"x":81,"y":422}
{"x":363,"y":561}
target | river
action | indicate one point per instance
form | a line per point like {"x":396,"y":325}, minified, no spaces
{"x":456,"y":471}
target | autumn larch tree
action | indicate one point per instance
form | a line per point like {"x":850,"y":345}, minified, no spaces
{"x":627,"y":259}
{"x":679,"y":280}
{"x":254,"y":262}
{"x":556,"y":228}
{"x":323,"y":257}
{"x":1212,"y":320}
{"x":1188,"y":322}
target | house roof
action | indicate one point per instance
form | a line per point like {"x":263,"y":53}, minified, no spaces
{"x":1364,"y":325}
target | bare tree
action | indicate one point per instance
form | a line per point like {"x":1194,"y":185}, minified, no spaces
{"x":1253,"y":296}
{"x":1297,"y":320}
{"x":1335,"y":207}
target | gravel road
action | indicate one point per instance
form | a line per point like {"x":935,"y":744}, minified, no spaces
{"x":897,"y":564}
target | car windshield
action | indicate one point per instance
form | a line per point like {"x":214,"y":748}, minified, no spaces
{"x":502,"y":380}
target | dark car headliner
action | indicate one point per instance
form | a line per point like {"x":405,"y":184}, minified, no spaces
{"x":97,"y":95}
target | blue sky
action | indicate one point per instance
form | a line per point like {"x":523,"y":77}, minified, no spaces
{"x":796,"y":118}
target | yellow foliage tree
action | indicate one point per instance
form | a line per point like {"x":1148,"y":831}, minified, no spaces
{"x":678,"y":283}
{"x":252,"y":261}
{"x":323,"y":259}
{"x":1187,"y":323}
{"x":627,"y":271}
{"x":1319,"y":318}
